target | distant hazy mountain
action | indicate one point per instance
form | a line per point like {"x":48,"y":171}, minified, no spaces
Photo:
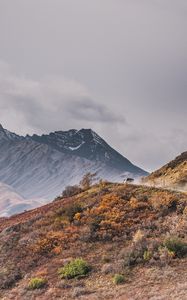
{"x":172,"y":175}
{"x":41,"y":166}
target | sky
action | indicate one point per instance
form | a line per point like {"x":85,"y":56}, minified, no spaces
{"x":116,"y":66}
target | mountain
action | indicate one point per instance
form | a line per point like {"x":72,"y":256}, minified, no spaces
{"x":12,"y":203}
{"x":41,"y":166}
{"x":171,"y":175}
{"x":37,"y":170}
{"x":87,"y":144}
{"x":6,"y":135}
{"x":8,"y":197}
{"x":129,"y":242}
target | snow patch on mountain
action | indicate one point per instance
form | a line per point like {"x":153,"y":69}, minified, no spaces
{"x":77,"y":147}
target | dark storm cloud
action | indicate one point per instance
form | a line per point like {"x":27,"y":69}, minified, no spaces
{"x":90,"y":111}
{"x":110,"y":59}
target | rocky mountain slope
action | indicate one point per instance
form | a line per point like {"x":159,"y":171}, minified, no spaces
{"x":87,"y":144}
{"x":40,"y":167}
{"x":172,"y":175}
{"x":111,"y":241}
{"x":37,"y":170}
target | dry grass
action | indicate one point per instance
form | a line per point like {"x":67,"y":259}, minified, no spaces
{"x":115,"y":228}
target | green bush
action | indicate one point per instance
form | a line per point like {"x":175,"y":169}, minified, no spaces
{"x":147,"y":255}
{"x":76,"y":268}
{"x":37,"y":283}
{"x":176,"y":245}
{"x":118,"y":279}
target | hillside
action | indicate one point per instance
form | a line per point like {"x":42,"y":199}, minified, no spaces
{"x":172,"y":175}
{"x":136,"y":232}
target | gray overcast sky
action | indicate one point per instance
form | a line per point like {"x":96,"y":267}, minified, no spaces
{"x":116,"y":66}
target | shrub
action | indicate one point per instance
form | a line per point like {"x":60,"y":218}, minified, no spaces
{"x":147,"y":255}
{"x":106,"y":259}
{"x":72,"y":210}
{"x":134,"y":256}
{"x":165,"y":255}
{"x":45,"y":244}
{"x":176,"y":245}
{"x":59,"y":222}
{"x":9,"y":277}
{"x":75,"y":268}
{"x":118,"y":279}
{"x":138,"y":250}
{"x":71,"y":190}
{"x":138,"y":237}
{"x":68,"y":212}
{"x":135,"y":253}
{"x":37,"y":283}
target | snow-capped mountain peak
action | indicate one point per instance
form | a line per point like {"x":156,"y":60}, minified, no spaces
{"x":90,"y":135}
{"x":86,"y":143}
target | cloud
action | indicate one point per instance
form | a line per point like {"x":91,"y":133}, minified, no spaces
{"x":53,"y":103}
{"x":88,"y":110}
{"x":128,"y":62}
{"x":56,"y":103}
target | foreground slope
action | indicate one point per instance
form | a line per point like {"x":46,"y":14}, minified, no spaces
{"x":117,"y":229}
{"x":172,"y":175}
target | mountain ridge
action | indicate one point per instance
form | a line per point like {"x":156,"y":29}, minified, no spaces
{"x":42,"y":169}
{"x":88,"y":144}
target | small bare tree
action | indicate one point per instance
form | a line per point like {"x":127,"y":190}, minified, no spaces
{"x":87,"y":180}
